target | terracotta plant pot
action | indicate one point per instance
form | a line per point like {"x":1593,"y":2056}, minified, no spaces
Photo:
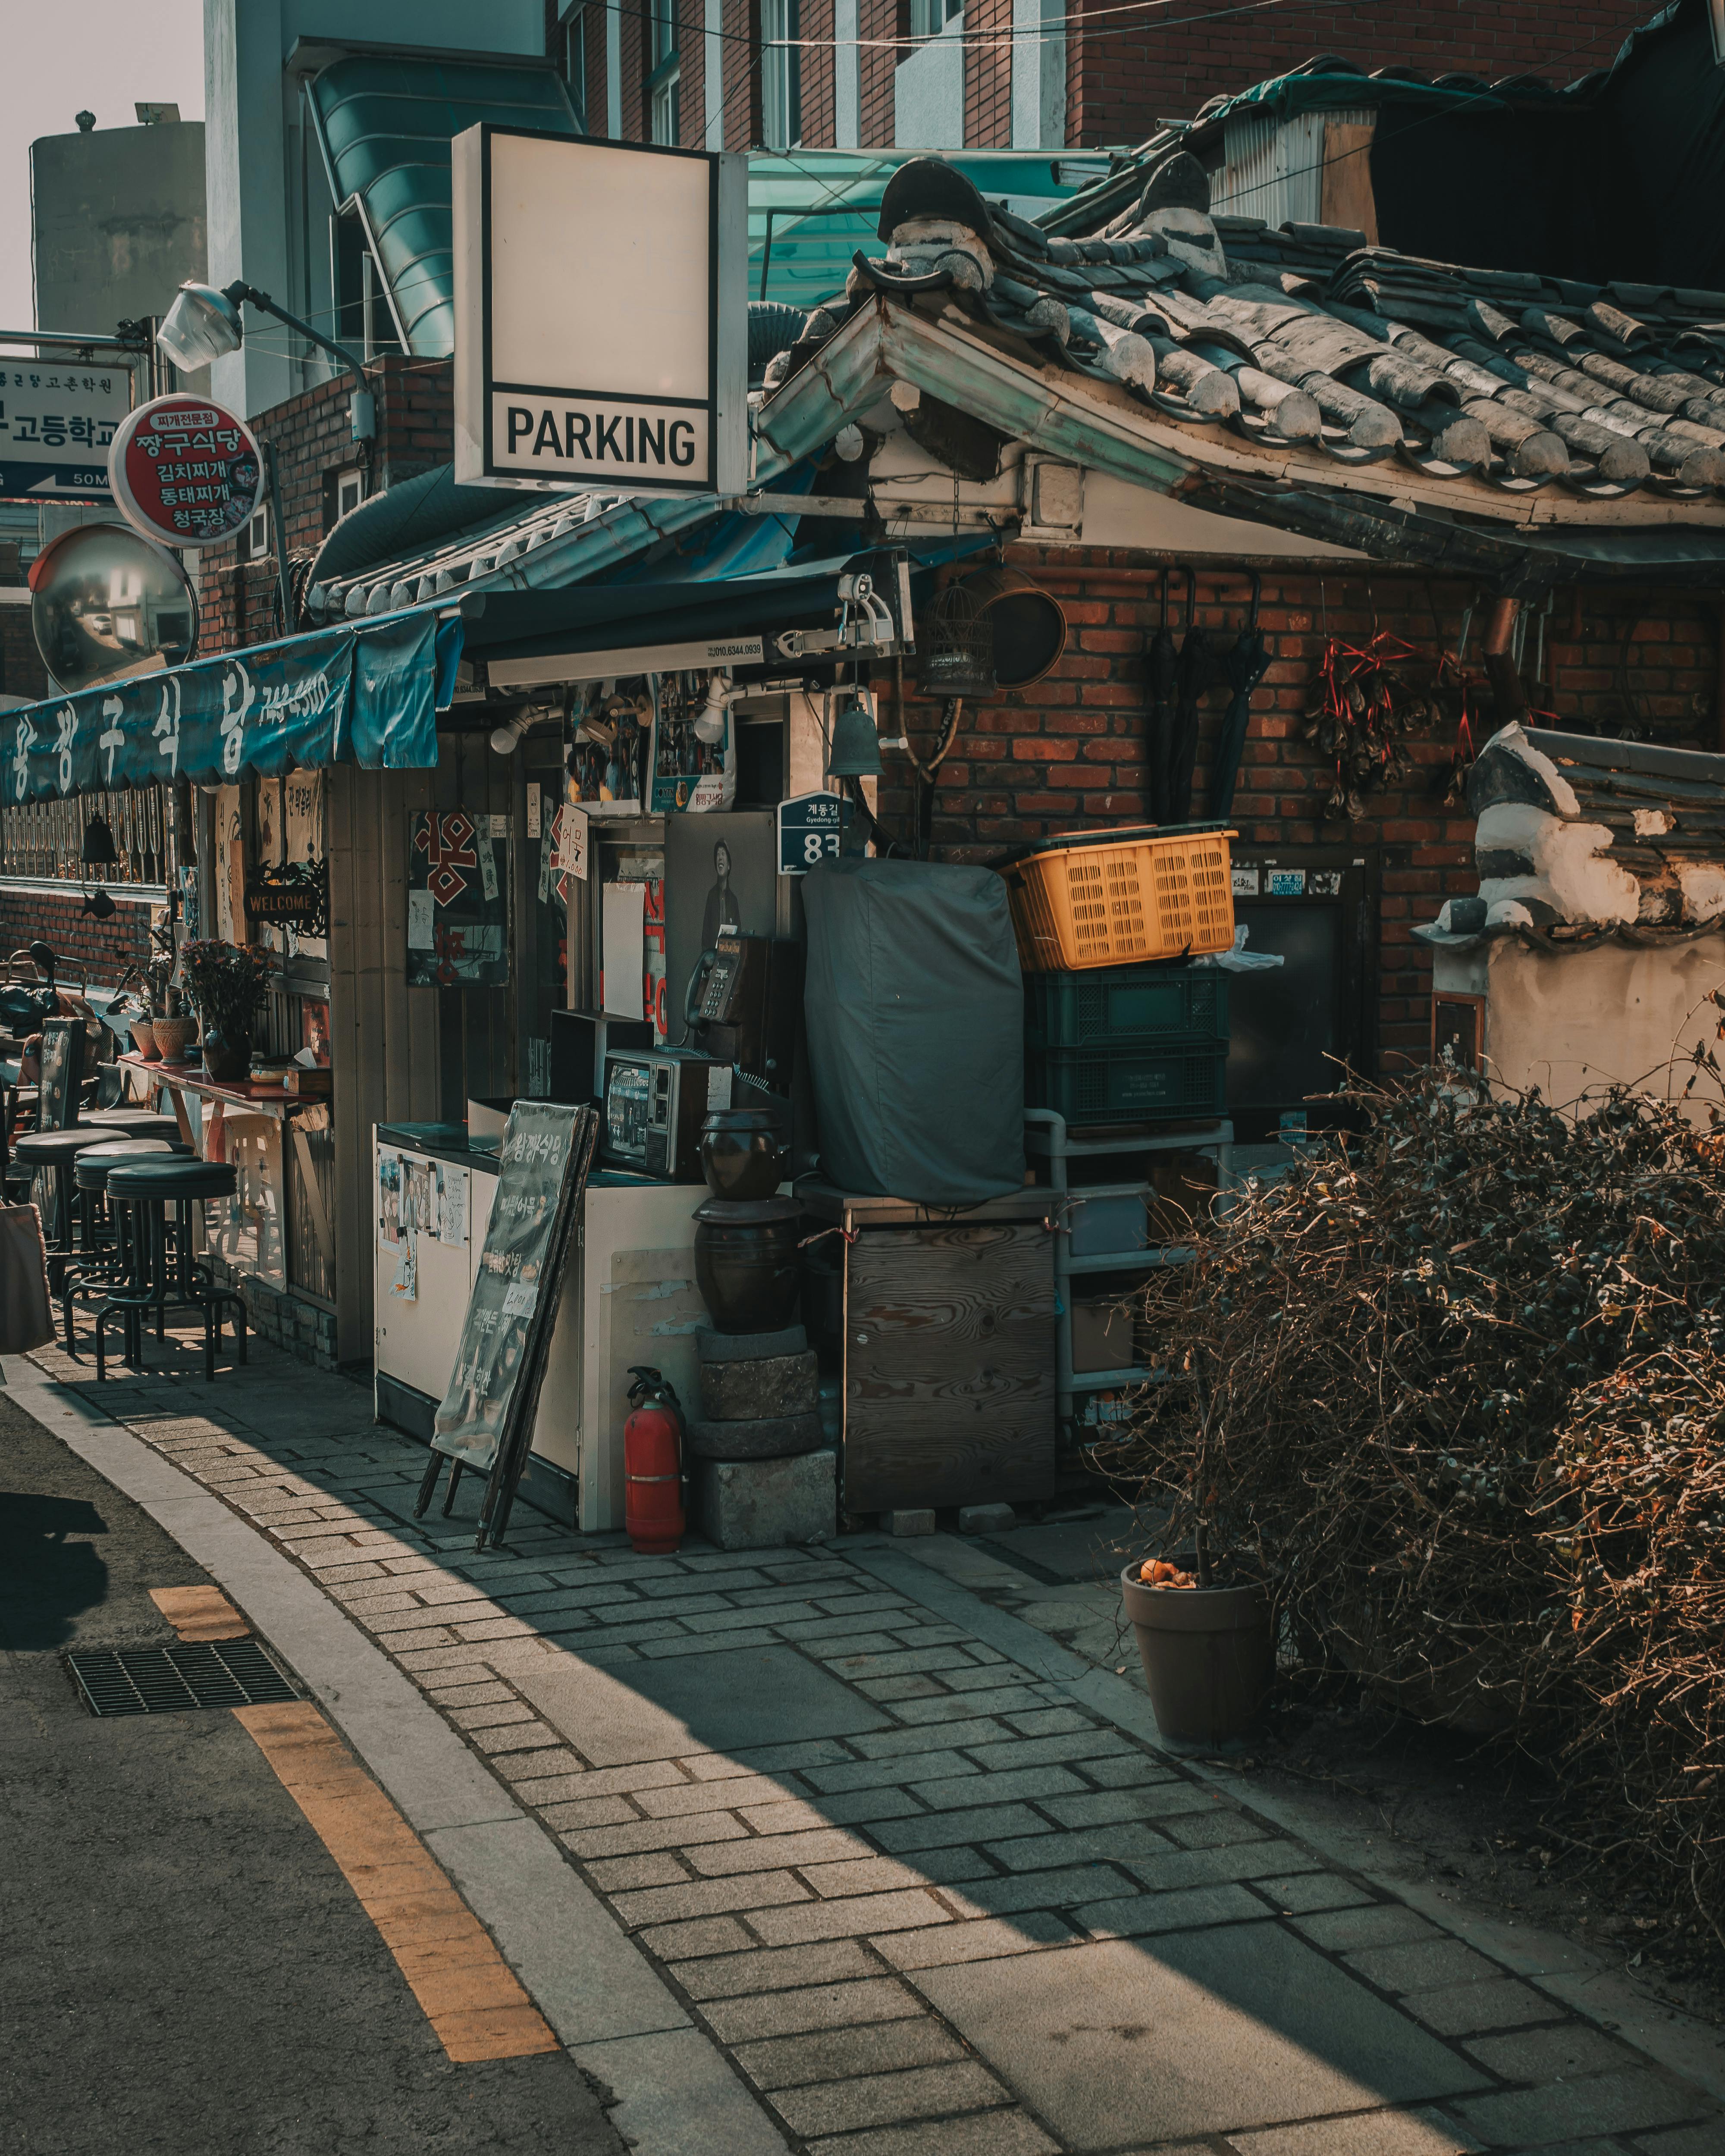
{"x":143,"y":1035}
{"x":171,"y":1035}
{"x":1208,"y":1655}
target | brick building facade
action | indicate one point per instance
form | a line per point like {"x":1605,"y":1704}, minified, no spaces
{"x":1128,"y":69}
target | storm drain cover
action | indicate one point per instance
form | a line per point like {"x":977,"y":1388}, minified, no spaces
{"x":170,"y":1680}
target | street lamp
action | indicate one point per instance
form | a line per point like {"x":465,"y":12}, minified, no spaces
{"x":204,"y":324}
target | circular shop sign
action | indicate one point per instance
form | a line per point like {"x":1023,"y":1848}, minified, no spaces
{"x":185,"y":472}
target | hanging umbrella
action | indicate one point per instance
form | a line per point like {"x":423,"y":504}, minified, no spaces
{"x":1245,"y":665}
{"x":1192,"y":679}
{"x":1161,"y":666}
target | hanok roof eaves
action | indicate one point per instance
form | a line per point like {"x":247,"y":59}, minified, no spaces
{"x":1491,"y":381}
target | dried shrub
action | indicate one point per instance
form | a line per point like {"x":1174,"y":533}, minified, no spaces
{"x":1456,"y":1387}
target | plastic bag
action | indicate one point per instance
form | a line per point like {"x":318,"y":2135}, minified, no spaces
{"x":26,"y":1314}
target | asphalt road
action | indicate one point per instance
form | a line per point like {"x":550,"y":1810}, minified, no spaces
{"x":182,"y":1968}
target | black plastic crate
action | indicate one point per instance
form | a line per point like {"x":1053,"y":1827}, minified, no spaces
{"x":1095,"y":1086}
{"x":1111,"y":1006}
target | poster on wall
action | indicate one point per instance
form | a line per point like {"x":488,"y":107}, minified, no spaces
{"x":694,"y":753}
{"x":457,"y":901}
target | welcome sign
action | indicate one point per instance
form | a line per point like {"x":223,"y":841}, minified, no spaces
{"x":601,"y":314}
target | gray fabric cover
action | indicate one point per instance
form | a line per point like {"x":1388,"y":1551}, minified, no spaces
{"x":916,"y":1015}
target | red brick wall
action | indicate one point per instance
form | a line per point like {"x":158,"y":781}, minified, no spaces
{"x":816,"y":20}
{"x":692,"y":66}
{"x":313,"y":438}
{"x":22,"y":673}
{"x":987,"y":75}
{"x":1070,"y":752}
{"x":1125,"y":73}
{"x":876,"y":64}
{"x":105,"y":948}
{"x":741,"y":22}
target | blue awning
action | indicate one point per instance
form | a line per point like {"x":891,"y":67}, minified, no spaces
{"x":366,"y":694}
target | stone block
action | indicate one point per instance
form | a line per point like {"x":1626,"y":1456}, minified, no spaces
{"x":763,"y":1504}
{"x":763,"y":1385}
{"x":986,"y":1519}
{"x":912,"y":1522}
{"x":712,"y":1347}
{"x":762,"y":1437}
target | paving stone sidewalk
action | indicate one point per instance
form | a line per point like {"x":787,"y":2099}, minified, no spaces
{"x":927,"y":1904}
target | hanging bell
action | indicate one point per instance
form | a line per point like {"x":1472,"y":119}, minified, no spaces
{"x":955,"y":648}
{"x":855,"y":750}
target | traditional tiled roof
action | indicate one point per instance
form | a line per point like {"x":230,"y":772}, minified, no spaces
{"x":1494,"y":382}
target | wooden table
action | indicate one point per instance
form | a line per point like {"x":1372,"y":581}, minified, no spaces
{"x":248,"y":1097}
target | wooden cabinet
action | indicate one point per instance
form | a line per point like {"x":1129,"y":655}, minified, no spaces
{"x":949,"y":1353}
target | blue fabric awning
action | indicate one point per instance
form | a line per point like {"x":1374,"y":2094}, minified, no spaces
{"x":368,"y":694}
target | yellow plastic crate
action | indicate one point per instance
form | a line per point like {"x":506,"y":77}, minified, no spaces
{"x":1112,"y":898}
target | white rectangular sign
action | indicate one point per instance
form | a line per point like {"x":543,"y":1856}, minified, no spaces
{"x":56,"y":424}
{"x":601,"y":314}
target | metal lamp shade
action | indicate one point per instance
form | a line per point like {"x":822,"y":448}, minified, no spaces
{"x":856,"y":751}
{"x":955,"y":654}
{"x":202,"y":325}
{"x":100,"y":851}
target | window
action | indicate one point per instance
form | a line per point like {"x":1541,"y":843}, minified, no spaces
{"x":342,"y":490}
{"x":929,"y":18}
{"x":781,"y":75}
{"x":664,"y":103}
{"x":574,"y":62}
{"x":254,"y":545}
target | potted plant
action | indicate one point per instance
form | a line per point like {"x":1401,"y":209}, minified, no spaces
{"x":229,"y":985}
{"x":1204,"y":1623}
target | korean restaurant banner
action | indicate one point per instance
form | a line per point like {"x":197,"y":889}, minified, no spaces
{"x":368,"y":694}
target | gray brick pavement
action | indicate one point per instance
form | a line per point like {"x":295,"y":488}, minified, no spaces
{"x":812,"y":1898}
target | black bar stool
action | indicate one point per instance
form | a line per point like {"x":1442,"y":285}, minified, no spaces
{"x":159,"y":1272}
{"x":99,"y":1267}
{"x":50,"y":1154}
{"x":130,"y":1122}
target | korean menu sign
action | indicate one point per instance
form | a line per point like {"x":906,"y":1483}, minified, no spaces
{"x":57,"y":424}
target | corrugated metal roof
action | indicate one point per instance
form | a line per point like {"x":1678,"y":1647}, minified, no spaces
{"x":385,"y":126}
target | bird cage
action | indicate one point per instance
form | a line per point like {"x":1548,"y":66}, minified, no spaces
{"x":956,"y":647}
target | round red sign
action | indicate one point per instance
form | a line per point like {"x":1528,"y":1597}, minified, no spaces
{"x":184,"y":471}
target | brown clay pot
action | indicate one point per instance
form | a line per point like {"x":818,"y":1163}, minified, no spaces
{"x":143,"y":1035}
{"x":171,"y":1035}
{"x":741,"y":1153}
{"x":1208,"y":1655}
{"x":747,"y":1262}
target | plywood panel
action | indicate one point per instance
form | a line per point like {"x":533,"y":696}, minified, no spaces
{"x":949,"y":1366}
{"x":1345,"y":195}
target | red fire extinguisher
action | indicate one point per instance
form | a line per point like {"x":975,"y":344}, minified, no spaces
{"x":653,"y":1466}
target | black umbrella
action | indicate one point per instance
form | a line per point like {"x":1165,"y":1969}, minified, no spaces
{"x":1161,"y":666}
{"x":1196,"y":669}
{"x":1245,"y":665}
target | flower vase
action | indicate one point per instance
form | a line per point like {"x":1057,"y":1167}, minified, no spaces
{"x":228,"y":1055}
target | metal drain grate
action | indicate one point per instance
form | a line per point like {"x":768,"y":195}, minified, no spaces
{"x":170,"y":1680}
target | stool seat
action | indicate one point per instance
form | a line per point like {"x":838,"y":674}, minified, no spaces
{"x":170,"y":1179}
{"x":132,"y":1122}
{"x":52,"y":1148}
{"x":91,"y":1168}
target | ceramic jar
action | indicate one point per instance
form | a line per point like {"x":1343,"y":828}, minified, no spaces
{"x":742,"y":1154}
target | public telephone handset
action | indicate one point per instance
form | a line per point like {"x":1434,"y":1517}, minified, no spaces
{"x":720,"y":985}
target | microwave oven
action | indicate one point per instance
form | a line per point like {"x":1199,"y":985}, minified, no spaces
{"x":655,"y":1100}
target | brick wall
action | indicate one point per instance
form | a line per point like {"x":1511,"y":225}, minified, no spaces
{"x":987,"y":73}
{"x":1125,"y":73}
{"x":22,"y":673}
{"x":876,"y":66}
{"x":104,"y":948}
{"x":741,"y":22}
{"x":815,"y":18}
{"x":1070,"y":751}
{"x":313,"y":439}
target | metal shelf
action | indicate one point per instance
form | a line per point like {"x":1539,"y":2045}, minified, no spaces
{"x":1120,"y":1261}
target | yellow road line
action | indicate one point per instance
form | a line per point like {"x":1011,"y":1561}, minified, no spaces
{"x":200,"y":1613}
{"x":470,"y":1996}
